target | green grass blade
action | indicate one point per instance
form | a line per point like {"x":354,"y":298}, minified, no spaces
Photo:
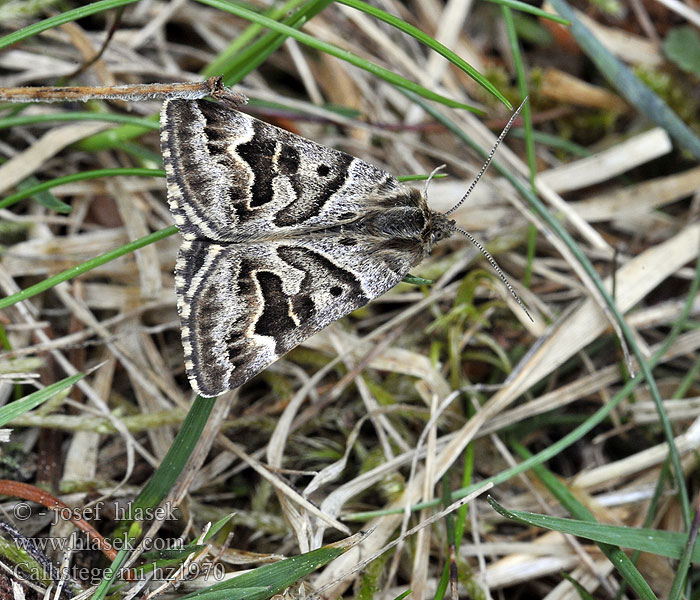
{"x":65,"y":17}
{"x":582,"y":592}
{"x":683,"y":567}
{"x":78,"y":116}
{"x":533,"y":10}
{"x":349,"y":57}
{"x":224,"y":62}
{"x":111,"y":573}
{"x":266,"y":581}
{"x":424,"y":38}
{"x":608,"y":538}
{"x":86,"y":266}
{"x":670,"y":544}
{"x":627,"y":84}
{"x":42,"y":197}
{"x":116,"y":136}
{"x":568,"y":500}
{"x":415,"y":280}
{"x":553,"y":141}
{"x":255,"y":54}
{"x":216,"y":527}
{"x":526,"y":112}
{"x":243,"y":593}
{"x":527,"y":121}
{"x":178,"y":455}
{"x":171,"y":555}
{"x":163,"y":480}
{"x":19,"y":407}
{"x":94,"y":174}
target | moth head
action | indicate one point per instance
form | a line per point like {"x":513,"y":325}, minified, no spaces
{"x":440,"y":227}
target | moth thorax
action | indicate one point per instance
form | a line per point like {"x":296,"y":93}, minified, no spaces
{"x":400,"y":222}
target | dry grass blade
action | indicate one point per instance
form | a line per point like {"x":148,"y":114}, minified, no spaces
{"x":28,"y":162}
{"x":607,"y":164}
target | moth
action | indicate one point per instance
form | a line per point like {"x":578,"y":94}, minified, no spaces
{"x":281,"y":237}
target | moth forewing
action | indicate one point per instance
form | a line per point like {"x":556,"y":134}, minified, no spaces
{"x":283,"y":236}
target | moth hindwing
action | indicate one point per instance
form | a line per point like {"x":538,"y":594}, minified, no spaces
{"x":282,"y":236}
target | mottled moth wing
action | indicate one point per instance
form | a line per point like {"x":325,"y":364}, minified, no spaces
{"x":232,"y":178}
{"x":244,"y":305}
{"x":282,"y":237}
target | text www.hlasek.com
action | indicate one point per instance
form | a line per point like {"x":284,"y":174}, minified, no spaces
{"x":78,"y":542}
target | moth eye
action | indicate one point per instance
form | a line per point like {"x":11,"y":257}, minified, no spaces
{"x":336,"y":291}
{"x":323,"y":170}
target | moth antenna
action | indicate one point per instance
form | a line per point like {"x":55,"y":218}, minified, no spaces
{"x":432,"y":174}
{"x":494,"y":264}
{"x":489,"y":158}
